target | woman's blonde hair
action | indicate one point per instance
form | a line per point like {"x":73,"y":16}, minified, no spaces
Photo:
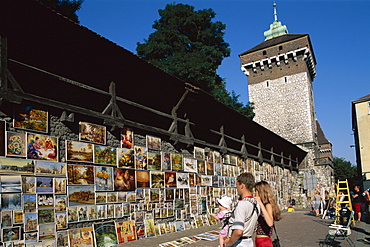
{"x":267,"y":196}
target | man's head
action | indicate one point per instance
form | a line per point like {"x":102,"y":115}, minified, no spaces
{"x":245,"y":181}
{"x":357,"y":188}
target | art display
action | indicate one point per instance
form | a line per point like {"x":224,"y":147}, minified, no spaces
{"x":81,"y":237}
{"x":141,"y":158}
{"x":143,"y":179}
{"x":154,"y":161}
{"x":92,"y":133}
{"x":16,"y":166}
{"x":16,"y":144}
{"x":11,"y":201}
{"x":80,"y":174}
{"x":153,"y":142}
{"x":124,"y":179}
{"x":81,"y":194}
{"x":49,"y":168}
{"x":176,"y":162}
{"x":103,"y":178}
{"x":126,"y":231}
{"x":190,"y":165}
{"x":30,"y":117}
{"x":42,"y":147}
{"x":79,"y":151}
{"x":127,"y":138}
{"x":125,"y":158}
{"x":166,"y":161}
{"x":105,"y":234}
{"x":105,"y":155}
{"x":10,"y":184}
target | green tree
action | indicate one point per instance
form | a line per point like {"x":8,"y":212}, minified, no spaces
{"x":344,"y":169}
{"x":188,"y":45}
{"x":68,"y":8}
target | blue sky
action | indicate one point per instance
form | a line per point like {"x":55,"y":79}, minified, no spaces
{"x":339,"y":32}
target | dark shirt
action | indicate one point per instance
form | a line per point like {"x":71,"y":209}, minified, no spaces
{"x":359,"y":198}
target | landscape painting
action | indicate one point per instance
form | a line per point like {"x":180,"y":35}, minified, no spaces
{"x":44,"y":185}
{"x":48,"y":168}
{"x":105,"y":234}
{"x":105,"y":155}
{"x":93,"y":133}
{"x":11,"y":201}
{"x":154,"y":161}
{"x":29,"y":203}
{"x":80,"y":174}
{"x":176,"y":162}
{"x":17,"y":166}
{"x":190,"y":165}
{"x":153,"y":142}
{"x":10,"y":184}
{"x":30,"y":117}
{"x":16,"y":144}
{"x":81,"y":194}
{"x":42,"y":147}
{"x":199,"y":153}
{"x":79,"y":151}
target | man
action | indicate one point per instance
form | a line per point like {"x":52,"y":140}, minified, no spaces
{"x":357,"y":201}
{"x":244,"y":217}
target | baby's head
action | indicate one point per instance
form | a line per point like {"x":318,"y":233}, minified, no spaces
{"x":224,"y":203}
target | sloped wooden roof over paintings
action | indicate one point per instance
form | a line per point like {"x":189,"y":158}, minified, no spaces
{"x":49,"y":42}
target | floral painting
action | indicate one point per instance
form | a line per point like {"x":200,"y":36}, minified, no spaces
{"x":16,"y":144}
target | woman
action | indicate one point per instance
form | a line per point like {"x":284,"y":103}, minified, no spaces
{"x":318,"y":200}
{"x":270,"y":212}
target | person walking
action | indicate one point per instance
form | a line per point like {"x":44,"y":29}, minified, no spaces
{"x":244,"y":217}
{"x":270,"y":212}
{"x":318,"y":200}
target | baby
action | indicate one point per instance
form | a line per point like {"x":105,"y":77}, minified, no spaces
{"x":224,"y":204}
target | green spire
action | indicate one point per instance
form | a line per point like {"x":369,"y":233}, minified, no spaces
{"x":276,"y":28}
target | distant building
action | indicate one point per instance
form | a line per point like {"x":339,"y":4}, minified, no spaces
{"x":280,"y":73}
{"x":360,"y":126}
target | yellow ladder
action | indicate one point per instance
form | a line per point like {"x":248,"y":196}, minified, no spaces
{"x":343,"y":197}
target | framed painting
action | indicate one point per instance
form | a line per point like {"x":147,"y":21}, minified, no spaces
{"x":103,"y":178}
{"x":42,"y":147}
{"x":11,"y":201}
{"x":72,"y":214}
{"x":122,"y":196}
{"x":153,"y":142}
{"x":92,"y":133}
{"x":110,"y":211}
{"x":125,"y":209}
{"x":6,"y":219}
{"x":101,"y":197}
{"x":105,"y":234}
{"x":61,"y":220}
{"x":62,"y":239}
{"x":101,"y":211}
{"x":44,"y":185}
{"x":31,"y":237}
{"x":81,"y":194}
{"x":105,"y":155}
{"x":16,"y":166}
{"x":217,"y":169}
{"x":214,"y":181}
{"x":233,"y":159}
{"x":10,"y":183}
{"x":11,"y":234}
{"x":169,"y":194}
{"x":176,"y":162}
{"x":49,"y":168}
{"x":154,"y":195}
{"x":60,"y":202}
{"x":92,"y":212}
{"x":80,"y":174}
{"x":124,"y":179}
{"x":199,"y":153}
{"x":79,"y":151}
{"x":126,"y":231}
{"x":201,"y":167}
{"x":2,"y":138}
{"x":210,"y":168}
{"x":118,"y":213}
{"x":226,"y":159}
{"x":216,"y":157}
{"x":81,"y":237}
{"x":47,"y":231}
{"x":206,"y":180}
{"x":190,"y":165}
{"x":131,"y":196}
{"x":149,"y":227}
{"x":30,"y":222}
{"x":45,"y":201}
{"x":140,"y":229}
{"x":166,"y":161}
{"x":192,"y":179}
{"x":46,"y":215}
{"x":141,"y":158}
{"x":29,"y":203}
{"x":31,"y":117}
{"x":82,"y":212}
{"x":16,"y":144}
{"x":157,"y":179}
{"x":142,"y":179}
{"x":125,"y":158}
{"x":127,"y":138}
{"x":154,"y":161}
{"x":60,"y":185}
{"x":170,"y":179}
{"x":112,"y":197}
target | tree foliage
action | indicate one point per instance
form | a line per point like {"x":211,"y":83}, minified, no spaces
{"x":68,"y":8}
{"x":188,"y":45}
{"x":344,"y":169}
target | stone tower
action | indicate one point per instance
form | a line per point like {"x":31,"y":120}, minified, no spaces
{"x":280,"y":72}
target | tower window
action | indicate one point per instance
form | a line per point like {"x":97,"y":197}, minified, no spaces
{"x":267,"y":83}
{"x":285,"y":79}
{"x":280,"y":48}
{"x":264,"y":53}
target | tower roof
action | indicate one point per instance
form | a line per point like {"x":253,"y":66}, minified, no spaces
{"x":276,"y":28}
{"x":321,"y":138}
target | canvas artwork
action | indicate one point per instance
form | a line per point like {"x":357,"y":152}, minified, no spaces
{"x":154,"y":195}
{"x":81,"y":194}
{"x":141,"y":158}
{"x":149,"y":227}
{"x":60,"y":185}
{"x":92,"y":212}
{"x":101,"y":211}
{"x":42,"y":147}
{"x":217,"y":169}
{"x":103,"y":178}
{"x":30,"y":117}
{"x":11,"y":234}
{"x":105,"y":234}
{"x":124,"y":179}
{"x":199,"y":153}
{"x":209,"y":168}
{"x":140,"y":229}
{"x":131,"y":196}
{"x":81,"y":237}
{"x":169,"y":194}
{"x":79,"y":151}
{"x":31,"y":237}
{"x":61,"y":220}
{"x":46,"y":215}
{"x":10,"y":184}
{"x":170,"y":179}
{"x":142,"y":179}
{"x":11,"y":201}
{"x":49,"y":168}
{"x":62,"y":239}
{"x":60,"y":202}
{"x":16,"y":144}
{"x":126,"y":231}
{"x":166,"y":161}
{"x":157,"y":179}
{"x":118,"y":213}
{"x":72,"y":214}
{"x":201,"y":167}
{"x":191,"y":179}
{"x":125,"y":158}
{"x":233,"y":160}
{"x":17,"y":166}
{"x":92,"y":133}
{"x":44,"y":185}
{"x":30,"y":222}
{"x":6,"y":219}
{"x":176,"y":162}
{"x":226,"y":159}
{"x":80,"y":174}
{"x":112,"y":197}
{"x":46,"y":231}
{"x":105,"y":155}
{"x":182,"y":180}
{"x":216,"y":157}
{"x":82,"y":212}
{"x":127,"y":138}
{"x":190,"y":165}
{"x":153,"y":142}
{"x":122,"y":196}
{"x":206,"y":180}
{"x":29,"y":203}
{"x":214,"y":181}
{"x":154,"y":161}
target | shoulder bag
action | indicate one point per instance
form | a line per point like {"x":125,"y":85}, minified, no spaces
{"x":276,"y":241}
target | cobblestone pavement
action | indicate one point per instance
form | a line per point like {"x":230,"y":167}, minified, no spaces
{"x":296,"y":229}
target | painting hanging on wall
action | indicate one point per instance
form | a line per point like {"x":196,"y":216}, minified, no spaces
{"x":49,"y":168}
{"x":10,"y":184}
{"x":103,"y":178}
{"x":16,"y":144}
{"x":126,"y":231}
{"x":176,"y":162}
{"x":127,"y":138}
{"x":80,"y":174}
{"x":16,"y":166}
{"x":105,"y":234}
{"x":124,"y":179}
{"x":157,"y":179}
{"x":42,"y":147}
{"x":166,"y":161}
{"x":125,"y":158}
{"x":11,"y":201}
{"x":44,"y":185}
{"x":142,"y":179}
{"x":30,"y":117}
{"x":105,"y":155}
{"x":81,"y":237}
{"x":153,"y":142}
{"x":190,"y":165}
{"x":199,"y":153}
{"x":79,"y":151}
{"x":60,"y":185}
{"x":92,"y":133}
{"x":154,"y":161}
{"x":141,"y":158}
{"x":81,"y":194}
{"x":11,"y":234}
